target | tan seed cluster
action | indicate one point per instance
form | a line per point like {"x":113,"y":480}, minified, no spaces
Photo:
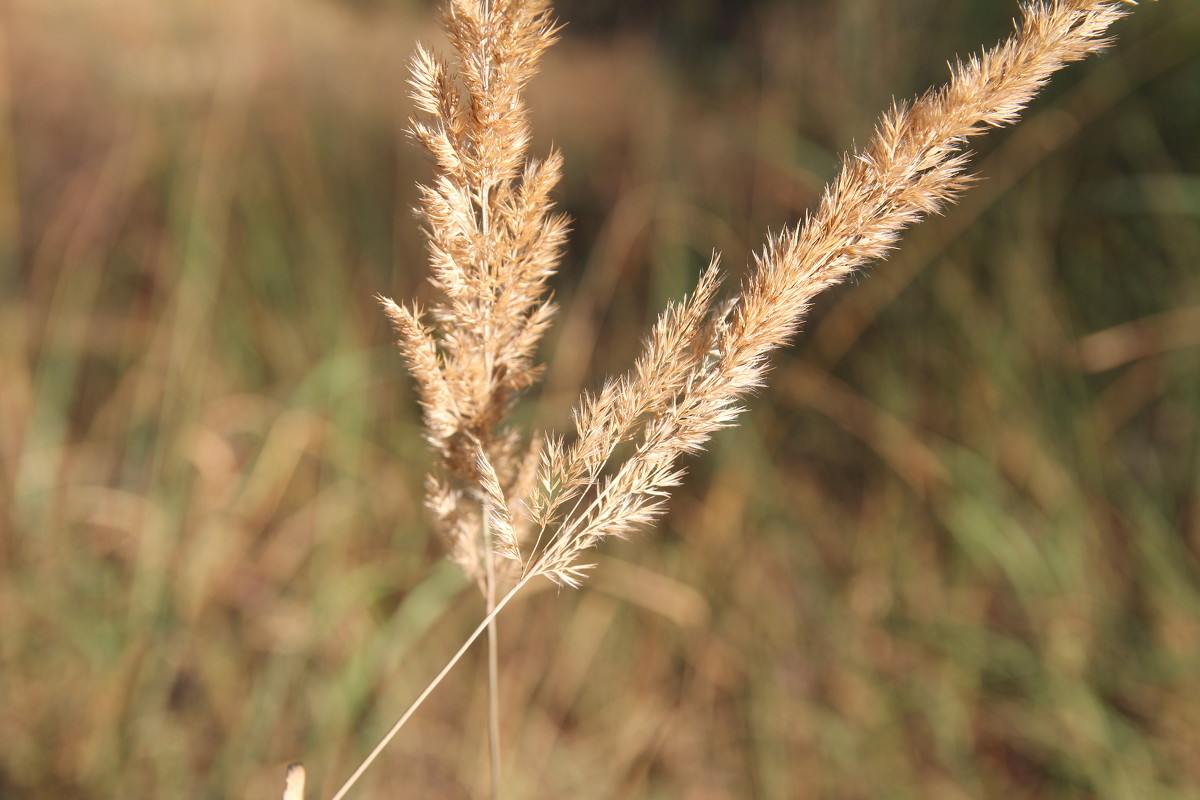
{"x":495,"y":241}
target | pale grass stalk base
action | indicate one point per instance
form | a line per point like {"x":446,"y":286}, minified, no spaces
{"x":395,"y":729}
{"x":493,"y":662}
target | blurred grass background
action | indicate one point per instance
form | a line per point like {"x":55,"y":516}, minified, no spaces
{"x":951,"y":553}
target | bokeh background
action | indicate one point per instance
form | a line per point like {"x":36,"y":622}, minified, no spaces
{"x":952,"y":552}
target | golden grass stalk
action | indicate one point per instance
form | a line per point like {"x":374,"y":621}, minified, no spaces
{"x":494,"y":242}
{"x":913,"y":166}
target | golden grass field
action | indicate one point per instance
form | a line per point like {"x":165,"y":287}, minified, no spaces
{"x":953,"y":551}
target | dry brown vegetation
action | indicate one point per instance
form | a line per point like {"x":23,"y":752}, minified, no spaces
{"x":959,"y":562}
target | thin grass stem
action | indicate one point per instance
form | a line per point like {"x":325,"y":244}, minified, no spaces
{"x":493,"y":662}
{"x":433,"y":684}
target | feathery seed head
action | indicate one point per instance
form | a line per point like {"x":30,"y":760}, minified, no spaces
{"x":494,"y":242}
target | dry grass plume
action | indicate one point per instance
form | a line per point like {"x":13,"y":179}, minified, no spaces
{"x":541,"y":503}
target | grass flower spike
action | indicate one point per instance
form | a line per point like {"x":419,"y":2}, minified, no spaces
{"x":494,"y":241}
{"x":540,"y":503}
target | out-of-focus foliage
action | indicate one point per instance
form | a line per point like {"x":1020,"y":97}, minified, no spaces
{"x":951,"y":553}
